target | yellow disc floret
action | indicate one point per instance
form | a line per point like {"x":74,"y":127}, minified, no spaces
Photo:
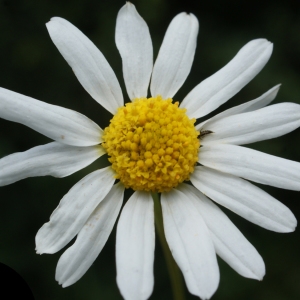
{"x":152,"y":144}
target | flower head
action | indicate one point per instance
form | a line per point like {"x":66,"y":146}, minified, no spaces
{"x":154,"y":146}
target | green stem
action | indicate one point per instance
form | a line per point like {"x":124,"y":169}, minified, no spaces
{"x":174,"y":272}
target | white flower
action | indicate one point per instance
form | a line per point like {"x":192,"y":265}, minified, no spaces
{"x":195,"y":228}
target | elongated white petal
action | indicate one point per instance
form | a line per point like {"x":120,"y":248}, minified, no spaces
{"x":73,"y":211}
{"x":252,"y":105}
{"x":53,"y":159}
{"x":262,"y":124}
{"x":77,"y":259}
{"x":135,"y":247}
{"x":58,"y":123}
{"x":221,"y":86}
{"x":253,"y":165}
{"x":175,"y":56}
{"x":245,"y":199}
{"x":87,"y":62}
{"x":229,"y":242}
{"x":134,"y":43}
{"x":190,"y":243}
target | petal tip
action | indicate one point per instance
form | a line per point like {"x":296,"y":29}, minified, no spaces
{"x":293,"y":224}
{"x":261,"y":42}
{"x":259,"y":274}
{"x":53,"y":19}
{"x":261,"y":277}
{"x":52,"y":22}
{"x":187,"y":15}
{"x":128,"y":5}
{"x":278,"y":86}
{"x":43,"y":250}
{"x":64,"y":285}
{"x":61,"y":281}
{"x":39,"y":251}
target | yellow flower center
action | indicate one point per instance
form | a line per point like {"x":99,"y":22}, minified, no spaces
{"x":152,"y":144}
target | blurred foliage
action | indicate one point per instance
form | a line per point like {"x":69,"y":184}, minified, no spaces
{"x":31,"y":65}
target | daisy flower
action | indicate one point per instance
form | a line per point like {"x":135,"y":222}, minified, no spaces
{"x":154,"y":146}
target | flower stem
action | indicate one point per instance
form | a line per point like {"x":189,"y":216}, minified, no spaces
{"x":174,"y":272}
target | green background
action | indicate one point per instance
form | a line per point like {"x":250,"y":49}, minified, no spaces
{"x":31,"y":65}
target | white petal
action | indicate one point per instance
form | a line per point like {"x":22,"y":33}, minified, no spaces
{"x":73,"y":211}
{"x":87,"y":62}
{"x":134,"y":43}
{"x":53,"y":159}
{"x":58,"y":123}
{"x":190,"y":243}
{"x":262,"y":124}
{"x":135,"y":247}
{"x":221,"y":86}
{"x":245,"y":199}
{"x":253,"y":165}
{"x":229,"y":242}
{"x":252,"y":105}
{"x":77,"y":259}
{"x":175,"y":57}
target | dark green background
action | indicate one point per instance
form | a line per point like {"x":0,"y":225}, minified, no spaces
{"x":31,"y":65}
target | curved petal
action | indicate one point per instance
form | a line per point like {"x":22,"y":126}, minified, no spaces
{"x":135,"y":46}
{"x":135,"y":247}
{"x":58,"y":123}
{"x":221,"y":86}
{"x":77,"y":259}
{"x":262,"y":124}
{"x":53,"y":159}
{"x":87,"y":62}
{"x":252,"y":105}
{"x":253,"y":165}
{"x":229,"y":242}
{"x":245,"y":199}
{"x":190,"y":243}
{"x":175,"y":57}
{"x":73,"y":211}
